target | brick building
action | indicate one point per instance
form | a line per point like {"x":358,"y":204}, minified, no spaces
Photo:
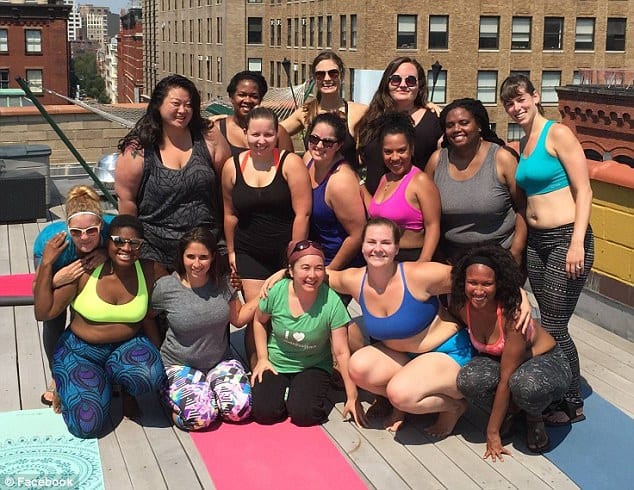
{"x":130,"y":57}
{"x":34,"y":46}
{"x":477,"y":42}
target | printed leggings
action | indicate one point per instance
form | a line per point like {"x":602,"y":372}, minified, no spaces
{"x":534,"y":385}
{"x":556,"y":294}
{"x":84,"y":374}
{"x":198,"y":398}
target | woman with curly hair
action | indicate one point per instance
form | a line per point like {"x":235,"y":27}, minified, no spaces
{"x":403,"y":88}
{"x":514,"y":370}
{"x":168,"y":173}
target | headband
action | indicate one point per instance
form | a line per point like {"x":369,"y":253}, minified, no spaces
{"x":480,"y":259}
{"x":79,"y":213}
{"x":299,"y":248}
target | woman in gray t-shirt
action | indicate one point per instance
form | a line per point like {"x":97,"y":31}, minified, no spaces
{"x":205,"y":382}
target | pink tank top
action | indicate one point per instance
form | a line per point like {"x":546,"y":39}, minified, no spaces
{"x":396,"y":207}
{"x":497,"y":348}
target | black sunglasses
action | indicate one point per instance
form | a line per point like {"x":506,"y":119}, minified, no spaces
{"x":304,"y":244}
{"x":321,"y":74}
{"x":119,"y":242}
{"x":410,"y":80}
{"x":314,"y":140}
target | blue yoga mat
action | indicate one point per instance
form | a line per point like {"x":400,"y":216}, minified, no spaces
{"x":37,"y":451}
{"x":596,"y":453}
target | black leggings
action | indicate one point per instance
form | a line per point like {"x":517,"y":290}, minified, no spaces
{"x":302,"y":396}
{"x":556,"y":294}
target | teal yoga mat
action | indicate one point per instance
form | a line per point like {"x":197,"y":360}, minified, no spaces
{"x":37,"y":451}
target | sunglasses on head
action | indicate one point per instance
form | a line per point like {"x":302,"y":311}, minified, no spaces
{"x":314,"y":140}
{"x":410,"y":80}
{"x":321,"y":74}
{"x":79,"y":232}
{"x":304,"y":244}
{"x":119,"y":242}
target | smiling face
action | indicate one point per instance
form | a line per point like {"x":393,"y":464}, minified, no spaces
{"x":480,"y":285}
{"x":124,"y":254}
{"x":85,"y":232}
{"x":523,"y":107}
{"x":246,"y":97}
{"x":261,"y":135}
{"x":397,"y":153}
{"x":320,"y":151}
{"x":197,"y":260}
{"x":403,"y":95}
{"x":327,"y":77}
{"x":379,"y":245}
{"x":176,"y":108}
{"x":308,"y":273}
{"x":461,"y":127}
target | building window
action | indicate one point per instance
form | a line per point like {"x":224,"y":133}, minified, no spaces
{"x":4,"y":78}
{"x":278,"y":31}
{"x":521,"y":33}
{"x":34,"y":79}
{"x":272,"y":73}
{"x":526,"y":73}
{"x":289,"y":32}
{"x":329,"y":31}
{"x":514,"y":132}
{"x":191,"y":31}
{"x":487,"y":86}
{"x":279,"y":73}
{"x":33,"y":40}
{"x":406,"y":32}
{"x":353,"y":31}
{"x":254,"y":30}
{"x":209,"y":31}
{"x":272,"y":33}
{"x":438,"y":32}
{"x":489,"y":32}
{"x":311,"y":33}
{"x":296,"y":32}
{"x":553,"y":33}
{"x":200,"y":31}
{"x":320,"y":31}
{"x":576,"y":78}
{"x":218,"y":30}
{"x":440,"y":92}
{"x":343,"y":41}
{"x":303,"y":72}
{"x":254,"y":64}
{"x":584,"y":34}
{"x":550,"y":80}
{"x":208,"y":67}
{"x":615,"y":36}
{"x":219,"y":69}
{"x":304,"y":29}
{"x":4,"y":40}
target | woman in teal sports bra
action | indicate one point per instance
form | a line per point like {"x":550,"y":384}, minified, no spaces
{"x":560,"y":247}
{"x":104,"y":344}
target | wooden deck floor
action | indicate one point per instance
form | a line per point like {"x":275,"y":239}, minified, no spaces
{"x":154,"y":455}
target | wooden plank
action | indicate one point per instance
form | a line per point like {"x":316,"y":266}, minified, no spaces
{"x":622,"y":388}
{"x":113,"y":465}
{"x":17,"y":250}
{"x":195,"y":459}
{"x":5,"y":264}
{"x":30,"y":364}
{"x":605,"y":340}
{"x":31,"y":230}
{"x":9,"y":382}
{"x":623,"y":401}
{"x":620,"y":367}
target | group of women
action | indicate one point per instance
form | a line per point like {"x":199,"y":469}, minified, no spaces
{"x":225,"y":203}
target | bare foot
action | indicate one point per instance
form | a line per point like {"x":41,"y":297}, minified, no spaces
{"x":56,"y":402}
{"x":131,"y":408}
{"x":446,"y":421}
{"x":394,"y":422}
{"x":380,"y":408}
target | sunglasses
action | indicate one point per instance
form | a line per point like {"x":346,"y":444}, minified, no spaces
{"x":314,"y":140}
{"x":91,"y":231}
{"x":119,"y":242}
{"x":410,"y":80}
{"x":304,"y":244}
{"x":321,"y":74}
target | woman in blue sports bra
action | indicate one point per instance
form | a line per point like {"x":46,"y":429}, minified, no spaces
{"x":560,"y":247}
{"x":104,"y":344}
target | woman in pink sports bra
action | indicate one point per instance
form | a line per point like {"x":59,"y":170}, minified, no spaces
{"x":515,"y":370}
{"x":405,"y":195}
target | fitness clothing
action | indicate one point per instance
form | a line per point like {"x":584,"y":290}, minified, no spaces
{"x":235,"y":150}
{"x":265,"y":223}
{"x":94,"y":309}
{"x":428,"y":132}
{"x":496,"y":348}
{"x":476,"y":210}
{"x":412,"y":317}
{"x":458,"y":347}
{"x":171,"y":201}
{"x":396,"y":207}
{"x":540,"y":172}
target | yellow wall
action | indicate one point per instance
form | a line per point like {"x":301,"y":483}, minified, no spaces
{"x":613,"y":225}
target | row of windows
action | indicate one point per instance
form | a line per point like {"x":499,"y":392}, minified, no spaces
{"x":209,"y":67}
{"x":521,"y":33}
{"x":32,"y":41}
{"x":34,"y":77}
{"x":187,"y":33}
{"x":311,"y":31}
{"x":174,"y":4}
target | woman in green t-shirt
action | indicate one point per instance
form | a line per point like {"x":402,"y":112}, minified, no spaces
{"x":307,"y":325}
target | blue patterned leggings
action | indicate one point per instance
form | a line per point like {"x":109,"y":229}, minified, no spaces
{"x":557,"y":295}
{"x":198,"y":398}
{"x":534,"y":385}
{"x":84,"y":374}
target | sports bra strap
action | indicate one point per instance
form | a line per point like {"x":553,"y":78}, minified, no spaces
{"x":276,"y":158}
{"x":245,"y":158}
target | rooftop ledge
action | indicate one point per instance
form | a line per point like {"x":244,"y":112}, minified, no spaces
{"x":612,"y":172}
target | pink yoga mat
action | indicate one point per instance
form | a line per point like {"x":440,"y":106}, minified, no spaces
{"x":16,"y":289}
{"x":281,"y":456}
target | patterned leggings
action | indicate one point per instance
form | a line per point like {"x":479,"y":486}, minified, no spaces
{"x":534,"y":385}
{"x":84,"y":374}
{"x":557,"y":295}
{"x":197,"y":399}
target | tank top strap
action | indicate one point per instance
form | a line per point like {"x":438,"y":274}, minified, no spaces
{"x":361,"y":298}
{"x":244,"y":161}
{"x":279,"y":156}
{"x":222,"y":125}
{"x":541,"y":142}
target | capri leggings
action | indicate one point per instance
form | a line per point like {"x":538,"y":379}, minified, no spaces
{"x":198,"y":398}
{"x":84,"y":374}
{"x":557,"y":295}
{"x":534,"y":385}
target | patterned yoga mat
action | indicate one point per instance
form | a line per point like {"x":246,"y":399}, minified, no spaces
{"x":36,"y":450}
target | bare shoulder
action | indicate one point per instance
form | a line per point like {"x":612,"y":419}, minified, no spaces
{"x":432,"y":163}
{"x":355,"y":112}
{"x":561,"y":134}
{"x":130,"y":162}
{"x":343,"y":180}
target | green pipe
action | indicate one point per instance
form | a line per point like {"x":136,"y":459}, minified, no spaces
{"x":25,"y":86}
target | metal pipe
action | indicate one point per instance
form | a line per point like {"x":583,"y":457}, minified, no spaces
{"x":25,"y":86}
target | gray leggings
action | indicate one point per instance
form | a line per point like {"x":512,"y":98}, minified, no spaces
{"x":534,"y":385}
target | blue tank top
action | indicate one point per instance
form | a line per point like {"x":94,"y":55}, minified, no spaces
{"x":411,"y":318}
{"x":540,"y":172}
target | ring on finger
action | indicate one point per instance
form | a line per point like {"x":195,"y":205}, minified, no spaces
{"x":579,"y":267}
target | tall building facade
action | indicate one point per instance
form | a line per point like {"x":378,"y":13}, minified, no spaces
{"x":74,"y":20}
{"x":130,"y":57}
{"x":477,"y":42}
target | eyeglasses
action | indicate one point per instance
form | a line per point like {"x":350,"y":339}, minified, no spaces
{"x":410,"y":80}
{"x":91,"y":231}
{"x":314,"y":140}
{"x":119,"y":242}
{"x":304,"y":244}
{"x":321,"y":74}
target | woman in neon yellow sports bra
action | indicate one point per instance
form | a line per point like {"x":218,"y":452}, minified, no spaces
{"x":560,"y":247}
{"x":104,"y":344}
